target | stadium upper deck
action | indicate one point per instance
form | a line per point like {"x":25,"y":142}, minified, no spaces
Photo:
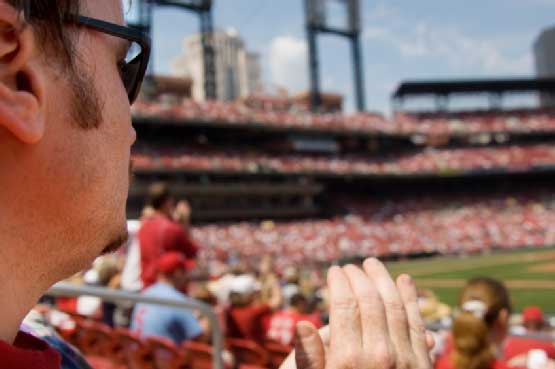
{"x":239,"y":115}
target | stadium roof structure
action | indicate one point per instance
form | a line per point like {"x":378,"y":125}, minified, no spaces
{"x":470,"y":86}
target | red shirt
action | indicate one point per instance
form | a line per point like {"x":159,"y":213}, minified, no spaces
{"x":247,"y":322}
{"x":515,"y":346}
{"x":28,"y":352}
{"x":283,"y":323}
{"x":158,"y":235}
{"x":446,"y":362}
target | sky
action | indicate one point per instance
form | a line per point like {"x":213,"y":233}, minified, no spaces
{"x":401,"y":39}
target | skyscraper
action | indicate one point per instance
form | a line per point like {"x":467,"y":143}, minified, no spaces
{"x":238,"y":71}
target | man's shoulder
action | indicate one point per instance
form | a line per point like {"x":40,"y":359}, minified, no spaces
{"x":154,"y":221}
{"x":164,"y":290}
{"x":29,"y":352}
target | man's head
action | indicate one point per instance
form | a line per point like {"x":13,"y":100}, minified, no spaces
{"x":65,"y":136}
{"x":299,"y":302}
{"x":532,"y":318}
{"x":160,"y":199}
{"x":172,"y":268}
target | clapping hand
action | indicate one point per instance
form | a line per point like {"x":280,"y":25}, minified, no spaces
{"x":375,"y":323}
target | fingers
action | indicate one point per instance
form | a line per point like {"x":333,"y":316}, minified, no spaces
{"x":290,"y":361}
{"x":309,"y":348}
{"x":395,"y":312}
{"x":417,"y":328}
{"x":345,"y":324}
{"x":372,"y":313}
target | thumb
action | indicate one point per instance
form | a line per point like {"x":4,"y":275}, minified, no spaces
{"x":309,"y":348}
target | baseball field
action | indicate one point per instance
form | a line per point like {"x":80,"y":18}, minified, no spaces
{"x":529,"y":275}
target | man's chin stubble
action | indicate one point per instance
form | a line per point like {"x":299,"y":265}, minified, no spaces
{"x":118,"y":242}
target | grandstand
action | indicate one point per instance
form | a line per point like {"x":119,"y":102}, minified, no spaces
{"x":490,"y":170}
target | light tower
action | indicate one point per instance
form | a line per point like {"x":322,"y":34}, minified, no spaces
{"x":203,"y":8}
{"x":318,"y":21}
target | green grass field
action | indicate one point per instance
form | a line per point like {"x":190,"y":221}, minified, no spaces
{"x":529,"y":274}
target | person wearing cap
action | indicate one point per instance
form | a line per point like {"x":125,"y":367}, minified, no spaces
{"x":532,"y":319}
{"x":247,"y":317}
{"x":162,"y":321}
{"x":518,"y":348}
{"x":164,"y":228}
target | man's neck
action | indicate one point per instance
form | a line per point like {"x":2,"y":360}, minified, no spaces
{"x":15,"y":303}
{"x":22,"y":284}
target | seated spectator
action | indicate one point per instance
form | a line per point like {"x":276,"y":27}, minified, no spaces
{"x":155,"y":320}
{"x":283,"y":323}
{"x":517,"y":349}
{"x":431,"y":309}
{"x":533,"y":320}
{"x":480,"y":327}
{"x":246,"y":318}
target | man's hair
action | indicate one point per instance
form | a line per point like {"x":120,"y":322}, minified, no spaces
{"x":47,"y":18}
{"x":158,"y":194}
{"x":298,"y":300}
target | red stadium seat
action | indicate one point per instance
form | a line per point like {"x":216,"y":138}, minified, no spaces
{"x":247,"y":352}
{"x":127,"y":348}
{"x":199,"y":355}
{"x":166,"y":353}
{"x":93,"y":338}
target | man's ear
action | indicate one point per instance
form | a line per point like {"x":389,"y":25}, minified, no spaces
{"x":21,"y":86}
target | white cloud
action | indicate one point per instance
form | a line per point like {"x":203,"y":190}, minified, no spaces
{"x":288,"y":63}
{"x":460,"y":51}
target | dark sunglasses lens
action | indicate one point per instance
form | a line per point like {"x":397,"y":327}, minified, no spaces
{"x":130,"y":69}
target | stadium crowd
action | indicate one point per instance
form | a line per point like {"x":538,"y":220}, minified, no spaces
{"x":406,"y":124}
{"x":381,"y":228}
{"x":251,"y":277}
{"x":427,"y":161}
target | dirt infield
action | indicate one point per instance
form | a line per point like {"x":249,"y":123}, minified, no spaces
{"x":543,"y":268}
{"x":548,"y":256}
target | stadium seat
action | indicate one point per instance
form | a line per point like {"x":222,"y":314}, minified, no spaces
{"x":248,"y":352}
{"x":127,"y":348}
{"x":199,"y":355}
{"x":166,"y":353}
{"x":93,"y":338}
{"x":277,"y":353}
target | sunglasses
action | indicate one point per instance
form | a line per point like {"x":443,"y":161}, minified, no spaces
{"x":133,"y":67}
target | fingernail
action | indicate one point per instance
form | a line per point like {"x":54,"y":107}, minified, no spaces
{"x":371,"y":261}
{"x":334,"y":269}
{"x":406,"y":279}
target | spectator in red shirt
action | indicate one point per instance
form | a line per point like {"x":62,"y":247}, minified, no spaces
{"x":282,"y":324}
{"x":164,"y":230}
{"x":480,"y":327}
{"x":535,"y":337}
{"x":247,"y":318}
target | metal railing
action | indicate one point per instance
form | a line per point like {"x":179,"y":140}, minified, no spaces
{"x":111,"y":295}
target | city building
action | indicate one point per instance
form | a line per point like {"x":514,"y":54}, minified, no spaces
{"x":238,"y":71}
